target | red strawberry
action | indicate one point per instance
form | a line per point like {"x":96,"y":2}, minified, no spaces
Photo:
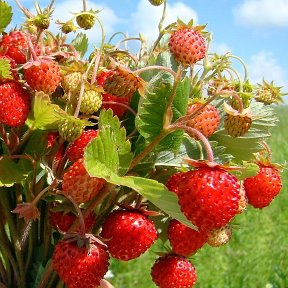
{"x":264,"y":187}
{"x":55,"y":155}
{"x":187,"y":45}
{"x":79,"y":185}
{"x":14,"y":75}
{"x":43,"y":75}
{"x":76,"y":148}
{"x":173,"y":271}
{"x":174,"y":182}
{"x":209,"y":197}
{"x":63,"y":221}
{"x":14,"y":104}
{"x":128,"y":234}
{"x":114,"y":103}
{"x":82,"y":266}
{"x":184,"y":240}
{"x":206,"y":121}
{"x":15,"y":45}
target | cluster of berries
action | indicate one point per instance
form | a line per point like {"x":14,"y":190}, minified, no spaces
{"x":101,"y":222}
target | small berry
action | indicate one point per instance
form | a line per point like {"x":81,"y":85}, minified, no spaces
{"x":70,"y":129}
{"x":156,"y":2}
{"x":184,"y":240}
{"x":219,"y":237}
{"x":173,"y":271}
{"x":82,"y":266}
{"x":264,"y":187}
{"x":79,"y":185}
{"x":86,"y":20}
{"x":128,"y":234}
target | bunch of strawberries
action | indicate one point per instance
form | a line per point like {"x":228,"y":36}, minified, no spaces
{"x":54,"y":106}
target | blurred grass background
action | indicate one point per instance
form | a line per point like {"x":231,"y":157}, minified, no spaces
{"x":256,"y":256}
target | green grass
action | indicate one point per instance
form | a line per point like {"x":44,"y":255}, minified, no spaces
{"x":256,"y":256}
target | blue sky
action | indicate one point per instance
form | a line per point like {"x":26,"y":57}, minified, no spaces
{"x":255,"y":30}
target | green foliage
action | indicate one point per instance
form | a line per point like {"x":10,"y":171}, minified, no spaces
{"x":5,"y":69}
{"x":5,"y":15}
{"x":80,"y":43}
{"x":10,"y":172}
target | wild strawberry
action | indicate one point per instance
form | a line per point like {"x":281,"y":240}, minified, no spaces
{"x":206,"y":121}
{"x":43,"y":75}
{"x":56,"y":150}
{"x":12,"y":75}
{"x":79,"y":185}
{"x":15,"y":45}
{"x":128,"y":234}
{"x":187,"y":45}
{"x":122,"y":82}
{"x":264,"y":187}
{"x":209,"y":197}
{"x":76,"y":148}
{"x":184,"y":240}
{"x":86,"y":20}
{"x":70,"y":129}
{"x":115,"y":104}
{"x":63,"y":221}
{"x":71,"y":81}
{"x":173,"y":271}
{"x":175,"y":181}
{"x":156,"y":2}
{"x":219,"y":237}
{"x":14,"y":104}
{"x":80,"y":266}
{"x":237,"y":123}
{"x":243,"y":202}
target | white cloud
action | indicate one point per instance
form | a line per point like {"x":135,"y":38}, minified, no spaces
{"x":262,"y":13}
{"x":219,"y":48}
{"x":263,"y":65}
{"x":146,"y":18}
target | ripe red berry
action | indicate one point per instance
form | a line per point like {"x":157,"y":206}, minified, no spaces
{"x":115,"y":103}
{"x":174,"y":183}
{"x":209,"y":197}
{"x":173,"y":271}
{"x":15,"y":45}
{"x":80,"y":266}
{"x":43,"y":75}
{"x":63,"y":221}
{"x":14,"y":104}
{"x":128,"y":234}
{"x":75,"y":150}
{"x":184,"y":240}
{"x":206,"y":122}
{"x":187,"y":45}
{"x":264,"y":187}
{"x":79,"y":185}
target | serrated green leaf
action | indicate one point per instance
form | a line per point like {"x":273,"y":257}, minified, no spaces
{"x":243,"y":148}
{"x":152,"y":190}
{"x":44,"y":115}
{"x":151,"y":113}
{"x":5,"y":15}
{"x":10,"y":172}
{"x":80,"y":43}
{"x":247,"y":169}
{"x":5,"y":69}
{"x":110,"y":149}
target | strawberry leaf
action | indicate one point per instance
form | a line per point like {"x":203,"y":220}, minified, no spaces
{"x":5,"y":69}
{"x":151,"y":113}
{"x":243,"y":148}
{"x":44,"y":115}
{"x":80,"y":43}
{"x":110,"y":149}
{"x":150,"y":189}
{"x":10,"y":172}
{"x":5,"y":15}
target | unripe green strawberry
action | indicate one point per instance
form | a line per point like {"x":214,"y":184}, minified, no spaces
{"x":67,"y":27}
{"x":187,"y":44}
{"x":86,"y":20}
{"x":237,"y":123}
{"x":71,"y":81}
{"x":173,"y":271}
{"x":79,"y":185}
{"x":206,"y":121}
{"x":219,"y":237}
{"x":91,"y":102}
{"x":70,"y":128}
{"x":156,"y":2}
